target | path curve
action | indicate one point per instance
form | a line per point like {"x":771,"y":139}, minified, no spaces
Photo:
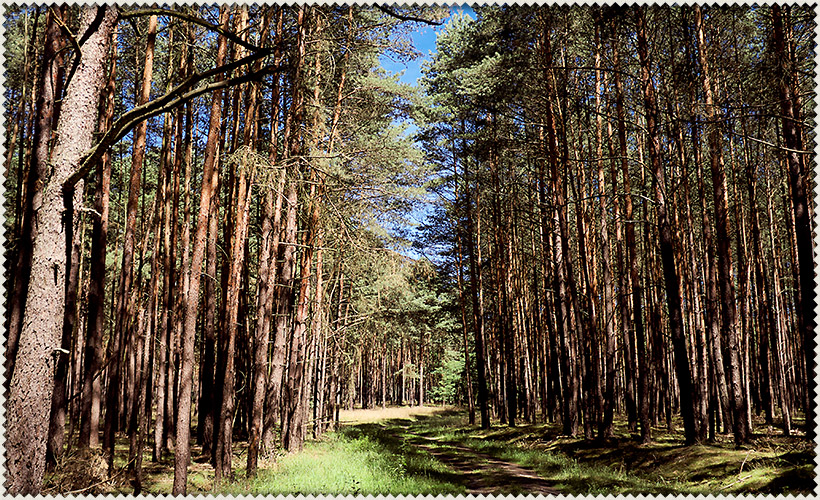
{"x":484,"y":474}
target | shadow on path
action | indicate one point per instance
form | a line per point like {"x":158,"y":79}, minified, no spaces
{"x":478,"y":472}
{"x":483,"y":474}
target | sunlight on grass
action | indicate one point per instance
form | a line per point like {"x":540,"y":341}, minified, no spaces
{"x":423,"y":450}
{"x":350,"y":465}
{"x":622,"y":466}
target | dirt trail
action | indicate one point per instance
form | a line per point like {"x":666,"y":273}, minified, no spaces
{"x":483,"y":474}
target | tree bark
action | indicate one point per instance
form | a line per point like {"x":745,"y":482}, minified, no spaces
{"x":29,"y":398}
{"x":267,"y":277}
{"x":183,"y":431}
{"x":804,"y":295}
{"x":728,"y":315}
{"x":605,"y":428}
{"x":124,"y":326}
{"x":95,"y":324}
{"x":671,"y":278}
{"x":49,"y":90}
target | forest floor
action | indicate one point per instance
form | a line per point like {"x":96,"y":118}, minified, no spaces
{"x":433,"y":450}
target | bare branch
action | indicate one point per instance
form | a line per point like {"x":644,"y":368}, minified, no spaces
{"x":175,"y":97}
{"x":192,"y":19}
{"x":390,"y":12}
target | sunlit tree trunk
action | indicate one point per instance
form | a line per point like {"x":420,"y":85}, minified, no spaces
{"x":724,"y":254}
{"x":183,"y":431}
{"x":47,"y":111}
{"x":28,"y":397}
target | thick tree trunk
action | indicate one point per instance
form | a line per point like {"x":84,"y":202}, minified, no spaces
{"x":207,"y":409}
{"x":49,"y":90}
{"x":29,"y":398}
{"x":805,"y":294}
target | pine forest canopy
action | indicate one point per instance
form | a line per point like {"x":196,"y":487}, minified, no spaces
{"x":210,"y":239}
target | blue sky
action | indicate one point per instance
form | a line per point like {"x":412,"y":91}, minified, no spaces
{"x":424,"y":40}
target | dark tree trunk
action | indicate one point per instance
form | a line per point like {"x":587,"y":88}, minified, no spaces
{"x":671,"y":279}
{"x":805,"y":294}
{"x":632,"y":321}
{"x":59,"y":398}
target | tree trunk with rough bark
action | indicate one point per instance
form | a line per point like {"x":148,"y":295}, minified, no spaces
{"x":29,"y":398}
{"x":671,"y":278}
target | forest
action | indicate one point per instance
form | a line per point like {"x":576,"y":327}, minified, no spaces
{"x":229,"y":230}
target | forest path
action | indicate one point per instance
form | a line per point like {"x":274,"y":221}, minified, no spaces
{"x":420,"y":430}
{"x":483,"y":474}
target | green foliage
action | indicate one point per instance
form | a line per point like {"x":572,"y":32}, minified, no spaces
{"x":450,"y":373}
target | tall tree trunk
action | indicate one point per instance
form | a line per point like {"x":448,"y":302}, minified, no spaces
{"x":267,"y":273}
{"x":49,"y":90}
{"x":29,"y":398}
{"x":464,"y":326}
{"x":478,"y":311}
{"x":727,"y":288}
{"x":95,"y":324}
{"x":566,"y":299}
{"x":605,"y":428}
{"x":125,"y":307}
{"x":224,"y":449}
{"x":632,"y":321}
{"x":284,"y":291}
{"x":183,"y":431}
{"x":805,"y":293}
{"x":671,"y":278}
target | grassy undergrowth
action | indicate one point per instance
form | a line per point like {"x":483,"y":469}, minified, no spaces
{"x":772,"y":464}
{"x":360,"y":460}
{"x":389,"y":452}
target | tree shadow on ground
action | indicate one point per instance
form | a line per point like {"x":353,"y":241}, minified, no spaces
{"x":401,"y":454}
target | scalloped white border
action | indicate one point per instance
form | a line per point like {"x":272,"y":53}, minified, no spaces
{"x":3,"y":269}
{"x":815,"y":253}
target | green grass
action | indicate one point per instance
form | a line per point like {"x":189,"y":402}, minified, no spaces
{"x":390,"y":453}
{"x":772,"y":464}
{"x":356,"y":461}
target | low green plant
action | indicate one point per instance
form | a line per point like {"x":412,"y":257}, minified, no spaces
{"x":353,"y":462}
